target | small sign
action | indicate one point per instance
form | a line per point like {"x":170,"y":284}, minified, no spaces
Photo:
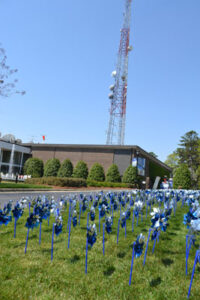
{"x":155,"y":186}
{"x":134,"y":162}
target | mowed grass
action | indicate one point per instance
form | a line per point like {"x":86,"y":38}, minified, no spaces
{"x":34,"y":276}
{"x":12,"y":185}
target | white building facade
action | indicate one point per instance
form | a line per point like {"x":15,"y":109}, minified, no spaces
{"x":12,"y":157}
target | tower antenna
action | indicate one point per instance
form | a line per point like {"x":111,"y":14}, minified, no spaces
{"x":118,"y":95}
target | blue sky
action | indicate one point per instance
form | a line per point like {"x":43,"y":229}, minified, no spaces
{"x":65,"y":52}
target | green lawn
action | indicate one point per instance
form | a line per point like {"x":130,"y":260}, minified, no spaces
{"x":13,"y":185}
{"x":34,"y":276}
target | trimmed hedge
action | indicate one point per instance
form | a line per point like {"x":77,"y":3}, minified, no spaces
{"x":109,"y":184}
{"x":81,"y":170}
{"x":130,"y":175}
{"x":182,"y":178}
{"x":76,"y":182}
{"x":57,"y":181}
{"x":66,"y":169}
{"x":113,"y":174}
{"x":96,"y":172}
{"x":34,"y":167}
{"x":51,"y":167}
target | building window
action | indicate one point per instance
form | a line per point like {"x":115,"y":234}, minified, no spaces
{"x":17,"y":158}
{"x":141,"y":163}
{"x":4,"y":169}
{"x":6,"y":156}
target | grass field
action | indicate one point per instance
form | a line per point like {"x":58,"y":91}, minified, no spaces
{"x":12,"y":185}
{"x":34,"y":276}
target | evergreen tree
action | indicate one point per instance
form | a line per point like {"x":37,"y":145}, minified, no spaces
{"x":51,"y":167}
{"x":173,"y":161}
{"x":81,"y":170}
{"x":182,"y":178}
{"x":96,"y":172}
{"x":188,"y":152}
{"x":66,"y":169}
{"x":113,"y":174}
{"x":130,"y":175}
{"x":34,"y":167}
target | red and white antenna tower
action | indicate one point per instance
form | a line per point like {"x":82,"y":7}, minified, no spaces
{"x":118,"y":95}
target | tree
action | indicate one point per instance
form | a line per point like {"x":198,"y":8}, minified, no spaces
{"x":51,"y":167}
{"x":81,"y":170}
{"x":130,"y":175}
{"x":34,"y":167}
{"x":96,"y":172}
{"x":66,"y":169}
{"x":7,"y":87}
{"x":182,"y":178}
{"x":153,"y":154}
{"x":188,"y":152}
{"x":173,"y":160}
{"x":113,"y":174}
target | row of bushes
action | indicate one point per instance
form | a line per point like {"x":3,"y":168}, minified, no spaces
{"x":58,"y":181}
{"x":76,"y":182}
{"x":53,"y":168}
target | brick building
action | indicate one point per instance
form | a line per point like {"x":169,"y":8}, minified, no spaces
{"x":122,"y":156}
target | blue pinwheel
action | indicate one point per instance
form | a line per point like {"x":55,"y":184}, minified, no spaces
{"x":138,"y":245}
{"x":92,"y":213}
{"x":74,"y":218}
{"x":58,"y":225}
{"x":91,"y":234}
{"x":32,"y":221}
{"x":109,"y":223}
{"x":123,"y":220}
{"x":17,"y":211}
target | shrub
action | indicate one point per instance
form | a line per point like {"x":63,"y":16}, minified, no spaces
{"x":56,"y":181}
{"x":34,"y":167}
{"x":113,"y":174}
{"x":81,"y":170}
{"x":109,"y":184}
{"x":130,"y":175}
{"x":66,"y":169}
{"x":182,"y":178}
{"x":96,"y":172}
{"x":51,"y":167}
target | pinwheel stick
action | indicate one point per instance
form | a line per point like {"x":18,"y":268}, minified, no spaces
{"x":125,"y":227}
{"x":86,"y":255}
{"x":26,"y":241}
{"x":103,"y":239}
{"x":146,"y":247}
{"x":137,"y":219}
{"x":118,"y":231}
{"x":195,"y":262}
{"x":188,"y":247}
{"x":80,"y":208}
{"x":88,"y":215}
{"x":132,"y":260}
{"x":69,"y":216}
{"x":133,"y":221}
{"x":40,"y":233}
{"x":154,"y":245}
{"x":69,"y":232}
{"x":52,"y":242}
{"x":15,"y":227}
{"x":146,"y":210}
{"x":99,"y":222}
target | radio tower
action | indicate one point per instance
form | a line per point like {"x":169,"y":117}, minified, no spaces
{"x":118,"y":95}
